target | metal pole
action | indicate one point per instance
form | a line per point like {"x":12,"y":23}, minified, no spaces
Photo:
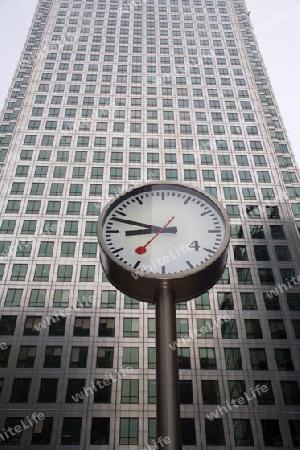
{"x":167,"y":382}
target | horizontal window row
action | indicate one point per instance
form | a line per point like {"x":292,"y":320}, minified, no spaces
{"x":182,"y":66}
{"x":136,"y":127}
{"x":77,"y":389}
{"x":71,"y":227}
{"x":85,"y":299}
{"x":203,"y":144}
{"x":54,"y":207}
{"x":170,"y":77}
{"x":152,"y":101}
{"x":50,"y":227}
{"x":206,"y":329}
{"x":46,"y":248}
{"x":117,"y":172}
{"x":100,"y":432}
{"x":24,"y":249}
{"x":64,"y":273}
{"x":105,"y":357}
{"x":135,"y":173}
{"x":82,"y":156}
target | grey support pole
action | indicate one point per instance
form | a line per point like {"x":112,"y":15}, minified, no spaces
{"x":167,"y":381}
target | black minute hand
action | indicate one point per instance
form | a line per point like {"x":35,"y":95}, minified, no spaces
{"x":131,"y":222}
{"x":150,"y":228}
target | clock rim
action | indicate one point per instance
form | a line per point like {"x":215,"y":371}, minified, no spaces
{"x":122,"y":276}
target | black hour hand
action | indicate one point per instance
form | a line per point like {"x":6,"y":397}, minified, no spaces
{"x":151,"y":230}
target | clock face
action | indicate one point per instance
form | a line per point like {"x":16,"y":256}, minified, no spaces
{"x":163,"y":228}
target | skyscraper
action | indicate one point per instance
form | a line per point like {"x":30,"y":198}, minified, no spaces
{"x":110,"y":94}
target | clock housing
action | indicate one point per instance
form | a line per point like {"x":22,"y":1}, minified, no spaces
{"x":163,"y":232}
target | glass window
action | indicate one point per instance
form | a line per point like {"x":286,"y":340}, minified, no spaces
{"x":20,"y":390}
{"x":37,"y":298}
{"x":277,"y":231}
{"x":71,"y":431}
{"x":248,"y":301}
{"x":233,"y":359}
{"x":204,"y":329}
{"x":237,"y":389}
{"x":41,"y":272}
{"x":271,"y":433}
{"x":261,"y":253}
{"x":24,"y":249}
{"x":46,"y":249}
{"x":230,"y":193}
{"x":229,"y":329}
{"x":182,"y":327}
{"x":291,"y":392}
{"x":7,"y":226}
{"x":87,"y":273}
{"x":82,"y":326}
{"x":266,"y":396}
{"x":129,"y":429}
{"x":184,"y":359}
{"x":266,"y":276}
{"x":240,"y":253}
{"x":105,"y":357}
{"x":258,"y":359}
{"x":78,"y":357}
{"x":64,"y":272}
{"x":108,"y":299}
{"x":13,"y":297}
{"x":257,"y":231}
{"x":130,"y":391}
{"x":207,"y":358}
{"x":100,"y":431}
{"x":225,"y":300}
{"x":214,"y":432}
{"x":89,"y":250}
{"x":131,"y":303}
{"x":243,"y":432}
{"x":74,"y":386}
{"x":131,"y":327}
{"x":233,"y":211}
{"x":244,"y":276}
{"x":52,"y":357}
{"x":253,"y":329}
{"x":277,"y":329}
{"x":48,"y":390}
{"x":186,"y":392}
{"x":210,"y":392}
{"x":236,"y":231}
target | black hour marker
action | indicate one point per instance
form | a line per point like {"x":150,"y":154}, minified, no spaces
{"x":208,"y":250}
{"x":190,"y":264}
{"x":204,"y":213}
{"x":214,"y":231}
{"x":139,"y":200}
{"x":162,"y":195}
{"x":187,"y":200}
{"x":112,"y":231}
{"x":137,"y":264}
{"x":117,"y":250}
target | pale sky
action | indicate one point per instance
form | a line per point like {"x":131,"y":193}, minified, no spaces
{"x":276,"y":24}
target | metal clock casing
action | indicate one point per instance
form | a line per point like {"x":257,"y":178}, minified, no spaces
{"x":119,"y":238}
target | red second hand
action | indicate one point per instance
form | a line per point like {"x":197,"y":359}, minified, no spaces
{"x":143,"y":248}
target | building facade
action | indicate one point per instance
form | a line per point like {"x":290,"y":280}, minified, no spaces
{"x":109,"y":94}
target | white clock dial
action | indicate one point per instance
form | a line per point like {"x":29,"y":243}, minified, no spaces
{"x":166,"y":230}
